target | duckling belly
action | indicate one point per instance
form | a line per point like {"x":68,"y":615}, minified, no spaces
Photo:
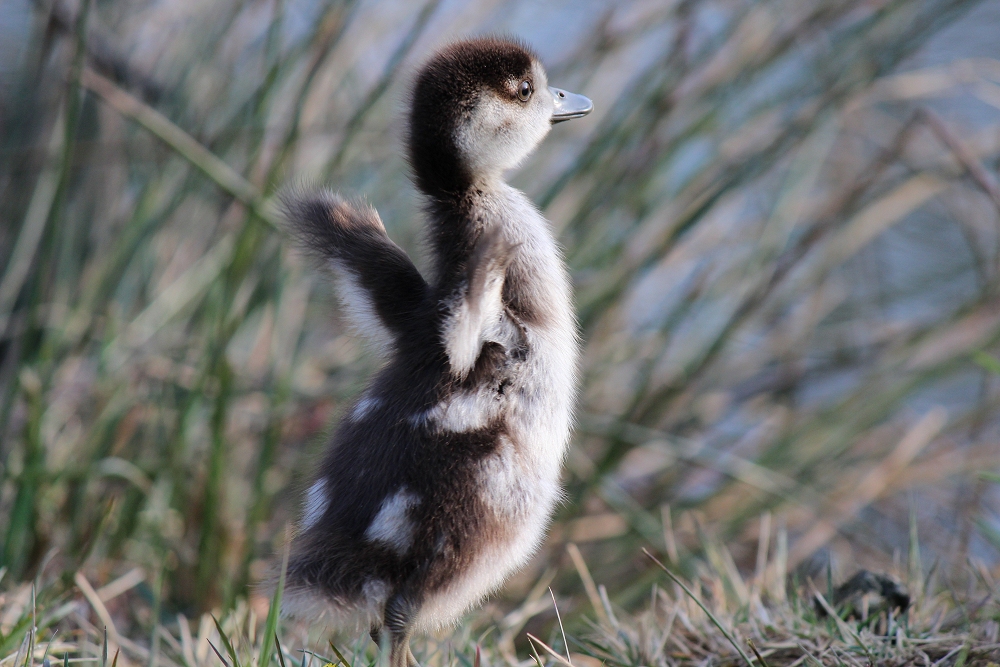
{"x":518,"y":499}
{"x":518,"y":483}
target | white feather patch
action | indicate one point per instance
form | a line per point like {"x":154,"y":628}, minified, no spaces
{"x":316,"y":504}
{"x":364,"y":407}
{"x":392,"y":525}
{"x":465,"y":412}
{"x":360,"y":311}
{"x":470,"y":325}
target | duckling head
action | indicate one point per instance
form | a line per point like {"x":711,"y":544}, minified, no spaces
{"x":479,"y":107}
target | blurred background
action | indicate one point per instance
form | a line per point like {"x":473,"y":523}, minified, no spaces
{"x":781,"y":221}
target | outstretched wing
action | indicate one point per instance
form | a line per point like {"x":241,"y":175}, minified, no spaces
{"x":382,"y":292}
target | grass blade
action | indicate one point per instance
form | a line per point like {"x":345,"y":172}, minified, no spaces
{"x":228,"y":645}
{"x":548,"y":649}
{"x":226,"y":664}
{"x":710,"y":615}
{"x":756,"y":653}
{"x":183,"y":143}
{"x":271,"y":626}
{"x":340,"y":656}
{"x":277,"y":646}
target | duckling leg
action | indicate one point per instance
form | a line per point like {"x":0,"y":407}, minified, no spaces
{"x":399,"y":616}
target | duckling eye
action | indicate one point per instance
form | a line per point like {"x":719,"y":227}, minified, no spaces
{"x":524,"y":91}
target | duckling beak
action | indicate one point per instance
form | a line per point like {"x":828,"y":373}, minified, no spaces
{"x":569,"y":105}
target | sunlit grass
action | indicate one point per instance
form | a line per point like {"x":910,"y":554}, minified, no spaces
{"x":716,"y":616}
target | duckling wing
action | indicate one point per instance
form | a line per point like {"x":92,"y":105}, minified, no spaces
{"x":380,"y":288}
{"x":475,"y":313}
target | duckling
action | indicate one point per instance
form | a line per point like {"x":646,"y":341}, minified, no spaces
{"x":440,"y":480}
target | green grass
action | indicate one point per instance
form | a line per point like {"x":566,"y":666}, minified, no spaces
{"x":784,"y":252}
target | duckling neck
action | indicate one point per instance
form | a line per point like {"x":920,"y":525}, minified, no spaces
{"x":455,"y":221}
{"x":441,"y":172}
{"x":437,"y":168}
{"x":443,"y":178}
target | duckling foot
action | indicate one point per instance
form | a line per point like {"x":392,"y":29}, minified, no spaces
{"x":400,"y":654}
{"x":411,"y":661}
